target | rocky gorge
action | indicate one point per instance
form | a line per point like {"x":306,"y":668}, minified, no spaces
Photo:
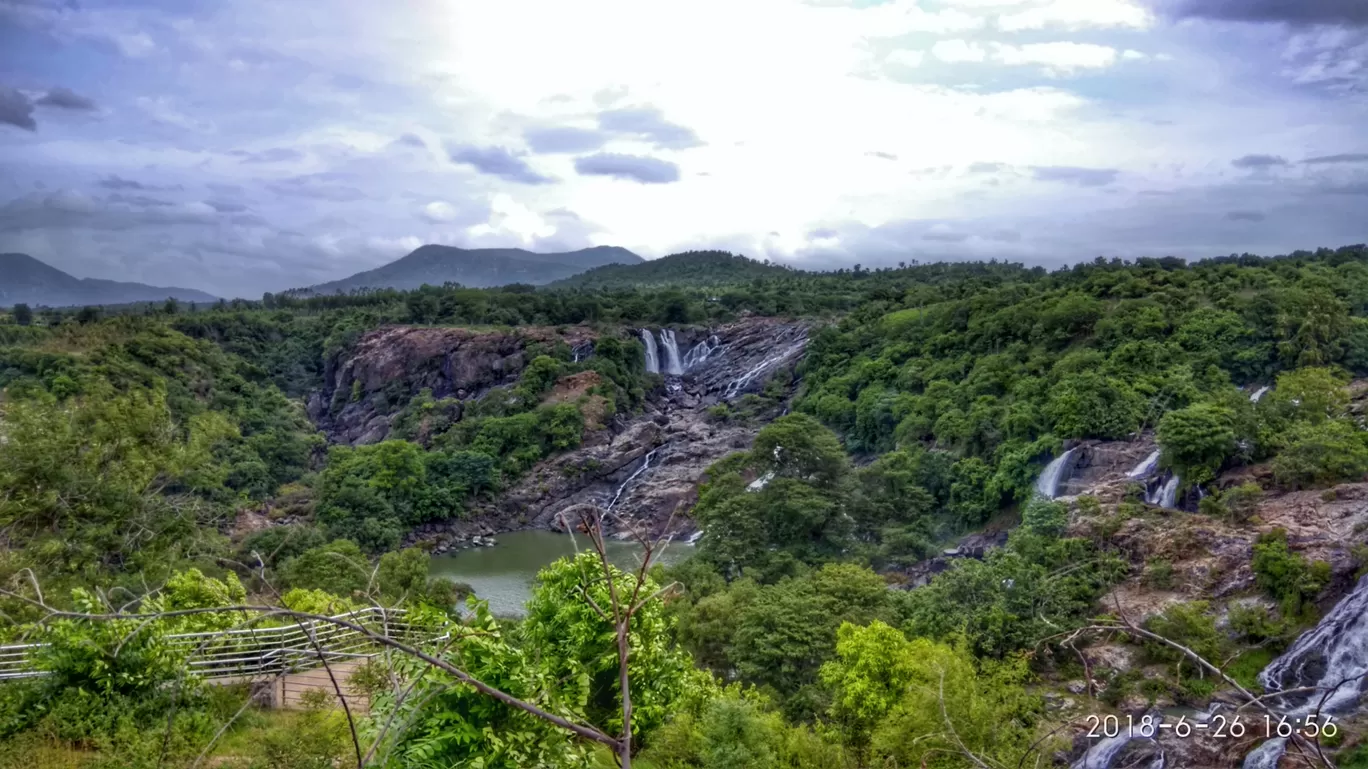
{"x":641,"y":466}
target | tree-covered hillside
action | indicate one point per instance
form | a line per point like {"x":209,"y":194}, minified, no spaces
{"x":135,"y":446}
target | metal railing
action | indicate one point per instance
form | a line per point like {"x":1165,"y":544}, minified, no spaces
{"x":266,"y":651}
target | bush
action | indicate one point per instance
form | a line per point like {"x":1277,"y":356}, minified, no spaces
{"x":1321,"y":454}
{"x":1286,"y":576}
{"x":338,"y":567}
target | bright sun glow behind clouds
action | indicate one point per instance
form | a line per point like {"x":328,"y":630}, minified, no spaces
{"x":324,"y":138}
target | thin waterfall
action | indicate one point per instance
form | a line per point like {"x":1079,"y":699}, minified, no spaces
{"x":1104,"y":752}
{"x":1167,"y":495}
{"x":652,"y":357}
{"x":699,"y":353}
{"x":582,"y":351}
{"x":1146,"y":467}
{"x":1047,"y":485}
{"x":1259,"y":393}
{"x":620,"y":489}
{"x":737,"y":385}
{"x":1267,"y":755}
{"x":672,"y":365}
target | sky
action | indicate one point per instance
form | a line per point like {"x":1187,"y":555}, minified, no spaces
{"x":244,"y":146}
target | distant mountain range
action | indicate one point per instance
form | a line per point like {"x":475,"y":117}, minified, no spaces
{"x":476,"y":268}
{"x":690,"y":268}
{"x":25,"y":280}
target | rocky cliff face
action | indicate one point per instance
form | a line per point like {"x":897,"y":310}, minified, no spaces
{"x":365,"y":387}
{"x":644,"y":467}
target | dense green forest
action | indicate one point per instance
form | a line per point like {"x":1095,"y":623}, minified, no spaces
{"x":928,"y":401}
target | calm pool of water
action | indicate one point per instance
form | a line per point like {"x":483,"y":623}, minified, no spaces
{"x":504,"y":574}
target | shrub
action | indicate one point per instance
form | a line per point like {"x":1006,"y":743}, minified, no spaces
{"x":1286,"y":576}
{"x":1321,"y":454}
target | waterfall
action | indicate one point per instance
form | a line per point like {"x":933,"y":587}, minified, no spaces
{"x":1259,"y":393}
{"x":694,"y":537}
{"x":1267,"y":755}
{"x":1048,"y":483}
{"x":737,"y":385}
{"x":581,"y":351}
{"x":761,"y":482}
{"x":1332,"y":654}
{"x":672,"y":364}
{"x":1168,"y":495}
{"x":620,"y":489}
{"x":652,"y":358}
{"x":1103,"y":754}
{"x":1146,"y":467}
{"x":1332,"y":657}
{"x":700,"y":352}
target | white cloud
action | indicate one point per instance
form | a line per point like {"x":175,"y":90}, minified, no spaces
{"x":1078,"y":14}
{"x":439,"y":211}
{"x":1056,"y":58}
{"x":906,"y":58}
{"x":954,"y":51}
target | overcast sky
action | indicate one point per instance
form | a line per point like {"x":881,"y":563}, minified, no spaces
{"x":242,"y":146}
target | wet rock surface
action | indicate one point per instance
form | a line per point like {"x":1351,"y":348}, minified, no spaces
{"x":364,"y":387}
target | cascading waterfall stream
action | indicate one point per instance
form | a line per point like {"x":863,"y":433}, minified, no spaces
{"x":1331,"y":657}
{"x":737,"y":385}
{"x":1047,"y":485}
{"x":1146,"y":467}
{"x":637,"y":473}
{"x":1259,"y":393}
{"x":699,"y":353}
{"x":672,"y":365}
{"x":1104,"y":752}
{"x":652,"y":357}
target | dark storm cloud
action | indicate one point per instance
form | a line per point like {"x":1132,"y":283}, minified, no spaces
{"x":142,"y":201}
{"x":1245,"y":216}
{"x":1301,"y":12}
{"x":273,"y":155}
{"x":227,"y":206}
{"x":116,"y":182}
{"x":986,"y":168}
{"x":1083,"y":177}
{"x":16,"y":109}
{"x":881,"y":155}
{"x":65,"y":98}
{"x":66,"y":209}
{"x":411,"y":140}
{"x":1352,"y":157}
{"x":324,"y":186}
{"x":646,"y":170}
{"x":553,"y":139}
{"x":648,"y":123}
{"x":496,"y":161}
{"x":1258,"y":161}
{"x":938,"y":236}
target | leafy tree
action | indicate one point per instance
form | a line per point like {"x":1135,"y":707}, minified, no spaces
{"x":23,"y":314}
{"x":338,"y":567}
{"x":1196,"y":441}
{"x":783,"y":635}
{"x":915,"y":702}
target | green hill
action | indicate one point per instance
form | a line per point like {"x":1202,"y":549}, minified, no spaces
{"x":477,"y":268}
{"x":690,"y":268}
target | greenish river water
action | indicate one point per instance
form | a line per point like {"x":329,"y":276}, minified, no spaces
{"x":504,"y":574}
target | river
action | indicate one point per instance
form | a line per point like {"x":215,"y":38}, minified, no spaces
{"x":504,"y":574}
